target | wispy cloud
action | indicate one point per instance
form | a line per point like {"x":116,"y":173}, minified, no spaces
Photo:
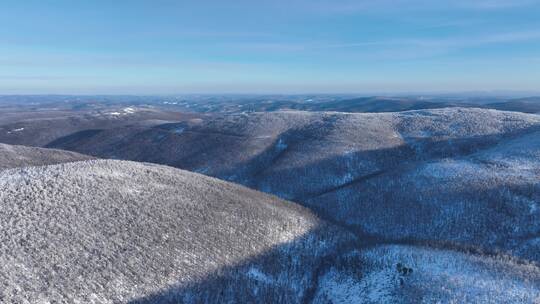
{"x":455,"y":42}
{"x":32,"y":77}
{"x":199,"y":34}
{"x":352,"y":6}
{"x":391,"y":50}
{"x":495,"y":4}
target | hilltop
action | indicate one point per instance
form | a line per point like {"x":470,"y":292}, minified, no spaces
{"x":21,"y":156}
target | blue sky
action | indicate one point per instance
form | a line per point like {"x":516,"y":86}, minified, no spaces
{"x":293,"y":46}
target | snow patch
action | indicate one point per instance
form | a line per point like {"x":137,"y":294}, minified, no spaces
{"x":260,"y":276}
{"x":129,"y":110}
{"x":125,"y":111}
{"x":179,"y":130}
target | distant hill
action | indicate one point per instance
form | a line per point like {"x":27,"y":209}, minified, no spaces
{"x":457,"y":176}
{"x":398,"y":104}
{"x":527,"y":105}
{"x":380,"y":104}
{"x":21,"y":156}
{"x":370,"y":104}
{"x":38,"y":128}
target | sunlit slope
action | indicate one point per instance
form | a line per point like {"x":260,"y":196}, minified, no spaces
{"x":113,"y":231}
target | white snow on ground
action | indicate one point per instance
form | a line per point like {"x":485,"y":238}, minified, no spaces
{"x":461,"y":175}
{"x":15,"y":131}
{"x":420,"y":195}
{"x":125,"y":111}
{"x":13,"y":156}
{"x":179,"y":130}
{"x":522,"y":153}
{"x":118,"y":231}
{"x":441,"y":276}
{"x":435,"y":276}
{"x":340,"y":288}
{"x":451,"y":168}
{"x":129,"y":110}
{"x":258,"y":275}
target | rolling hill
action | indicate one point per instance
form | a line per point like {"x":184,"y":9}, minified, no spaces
{"x":349,"y":104}
{"x":104,"y":231}
{"x":21,"y":156}
{"x":458,"y":177}
{"x":111,"y":231}
{"x":527,"y":105}
{"x":36,"y":127}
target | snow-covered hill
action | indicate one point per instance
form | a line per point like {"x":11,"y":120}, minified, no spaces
{"x":414,"y":274}
{"x":20,"y":156}
{"x":40,"y":127}
{"x":115,"y":232}
{"x":462,"y":177}
{"x":104,"y":231}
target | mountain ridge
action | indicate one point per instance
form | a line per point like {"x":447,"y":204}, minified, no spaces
{"x":13,"y":156}
{"x":365,"y":170}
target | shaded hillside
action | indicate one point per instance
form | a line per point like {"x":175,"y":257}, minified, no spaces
{"x":38,"y":128}
{"x":382,"y":104}
{"x":21,"y":156}
{"x":431,"y":175}
{"x":527,"y":105}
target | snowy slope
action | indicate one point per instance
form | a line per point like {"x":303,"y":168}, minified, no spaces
{"x":115,"y":232}
{"x":20,"y":156}
{"x":123,"y":232}
{"x":411,"y":274}
{"x":40,"y":127}
{"x":466,"y":177}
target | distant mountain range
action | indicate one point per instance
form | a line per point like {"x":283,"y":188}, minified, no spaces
{"x":21,"y":156}
{"x":268,"y":103}
{"x":374,"y":104}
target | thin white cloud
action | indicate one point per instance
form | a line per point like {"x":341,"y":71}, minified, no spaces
{"x":354,"y":6}
{"x":446,"y":43}
{"x":403,"y":49}
{"x":474,"y":41}
{"x":495,"y":4}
